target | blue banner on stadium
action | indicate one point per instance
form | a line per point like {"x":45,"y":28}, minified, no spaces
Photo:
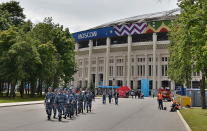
{"x":94,"y":34}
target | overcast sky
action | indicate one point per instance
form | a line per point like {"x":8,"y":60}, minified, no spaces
{"x":83,"y":14}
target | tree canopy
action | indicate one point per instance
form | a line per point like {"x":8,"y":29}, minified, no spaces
{"x":34,"y":56}
{"x":188,"y":44}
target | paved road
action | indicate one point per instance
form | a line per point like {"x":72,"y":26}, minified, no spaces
{"x":129,"y":115}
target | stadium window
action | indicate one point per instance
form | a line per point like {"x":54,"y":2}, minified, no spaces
{"x":100,"y":61}
{"x":138,"y":71}
{"x":119,"y":40}
{"x":132,"y":70}
{"x":83,"y":44}
{"x":150,"y":70}
{"x":156,"y":70}
{"x":111,"y":71}
{"x":162,"y":36}
{"x":132,"y":83}
{"x":93,"y":62}
{"x":99,"y":42}
{"x":111,"y":61}
{"x":150,"y":59}
{"x":110,"y":83}
{"x":120,"y":61}
{"x":143,"y":70}
{"x":142,"y":37}
{"x":166,"y":67}
{"x":119,"y":70}
{"x":163,"y":59}
{"x":164,"y":70}
{"x":132,"y":59}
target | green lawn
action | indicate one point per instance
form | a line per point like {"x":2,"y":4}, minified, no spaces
{"x":19,"y":99}
{"x":196,"y":118}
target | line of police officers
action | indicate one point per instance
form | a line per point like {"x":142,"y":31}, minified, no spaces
{"x":67,"y":102}
{"x":110,"y":95}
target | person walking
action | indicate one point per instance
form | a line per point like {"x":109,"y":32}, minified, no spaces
{"x":60,"y":101}
{"x":49,"y":103}
{"x":132,"y":93}
{"x":110,"y":96}
{"x":160,"y":101}
{"x":54,"y":107}
{"x":104,"y":97}
{"x":116,"y":97}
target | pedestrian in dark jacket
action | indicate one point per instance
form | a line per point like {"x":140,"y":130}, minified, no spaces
{"x":116,"y":97}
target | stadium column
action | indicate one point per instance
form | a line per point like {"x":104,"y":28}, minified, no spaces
{"x":154,"y":59}
{"x":96,"y":78}
{"x":158,"y":71}
{"x":108,"y":43}
{"x":83,"y":73}
{"x":172,"y":85}
{"x":146,"y":67}
{"x":129,"y":60}
{"x":134,"y":74}
{"x":114,"y":71}
{"x":89,"y":63}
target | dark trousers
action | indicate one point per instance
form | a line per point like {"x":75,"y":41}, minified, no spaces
{"x":61,"y":110}
{"x":54,"y":108}
{"x":49,"y":109}
{"x":110,"y":99}
{"x":84,"y":105}
{"x":104,"y":99}
{"x":160,"y":104}
{"x":116,"y":101}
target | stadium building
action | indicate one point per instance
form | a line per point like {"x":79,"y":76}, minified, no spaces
{"x":126,"y":51}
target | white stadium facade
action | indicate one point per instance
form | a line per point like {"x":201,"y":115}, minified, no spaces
{"x":124,"y":52}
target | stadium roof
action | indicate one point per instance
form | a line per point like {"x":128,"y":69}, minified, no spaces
{"x":165,"y":15}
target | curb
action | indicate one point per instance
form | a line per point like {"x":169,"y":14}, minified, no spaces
{"x":20,"y":104}
{"x":183,"y":121}
{"x":25,"y":103}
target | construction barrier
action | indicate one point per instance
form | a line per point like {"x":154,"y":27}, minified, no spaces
{"x":183,"y":100}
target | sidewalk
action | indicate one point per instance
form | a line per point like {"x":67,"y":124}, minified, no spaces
{"x":25,"y":103}
{"x":20,"y":103}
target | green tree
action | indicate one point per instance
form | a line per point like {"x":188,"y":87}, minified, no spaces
{"x":61,"y":39}
{"x":25,"y":60}
{"x":188,"y":49}
{"x":7,"y":39}
{"x":47,"y":70}
{"x":16,"y":15}
{"x":5,"y":21}
{"x":30,"y":54}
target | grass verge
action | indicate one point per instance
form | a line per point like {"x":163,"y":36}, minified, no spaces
{"x":19,"y":99}
{"x":196,"y":118}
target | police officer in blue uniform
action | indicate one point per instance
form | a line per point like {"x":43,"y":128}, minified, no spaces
{"x":49,"y":103}
{"x":84,"y":100}
{"x":80,"y":102}
{"x":70,"y":103}
{"x":89,"y":98}
{"x":75,"y":103}
{"x":54,"y":107}
{"x":67,"y":104}
{"x":110,"y":96}
{"x":60,"y":101}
